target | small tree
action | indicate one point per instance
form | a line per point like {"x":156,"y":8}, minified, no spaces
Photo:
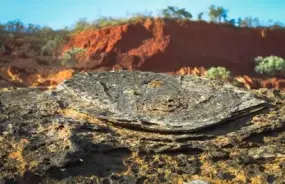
{"x":2,"y":48}
{"x":107,"y":21}
{"x":46,"y":33}
{"x":239,"y":22}
{"x":272,"y":65}
{"x":81,"y":25}
{"x":231,"y":22}
{"x":15,"y":26}
{"x":277,"y":25}
{"x":174,"y":12}
{"x":218,"y":73}
{"x":248,"y":22}
{"x":217,"y":14}
{"x":200,"y":16}
{"x":72,"y":56}
{"x":33,"y":28}
{"x":2,"y":28}
{"x":50,"y":48}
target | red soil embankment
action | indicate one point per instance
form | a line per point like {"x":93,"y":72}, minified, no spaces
{"x":167,"y":45}
{"x":156,"y":45}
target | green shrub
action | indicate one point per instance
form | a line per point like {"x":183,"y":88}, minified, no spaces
{"x":218,"y":73}
{"x":175,"y":12}
{"x":70,"y":57}
{"x":217,"y":14}
{"x":49,"y":48}
{"x":271,"y":65}
{"x":2,"y":48}
{"x":2,"y":28}
{"x":104,"y":22}
{"x":15,"y":26}
{"x":82,"y":25}
{"x":108,"y":21}
{"x":52,"y":47}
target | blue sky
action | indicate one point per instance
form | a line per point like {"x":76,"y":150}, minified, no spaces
{"x":60,"y":13}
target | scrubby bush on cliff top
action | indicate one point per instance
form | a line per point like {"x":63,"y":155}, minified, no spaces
{"x":174,"y":12}
{"x":216,"y":14}
{"x":218,"y":73}
{"x":271,"y":65}
{"x":104,"y":22}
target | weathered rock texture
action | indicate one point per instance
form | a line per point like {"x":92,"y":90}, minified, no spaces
{"x":159,"y":102}
{"x":136,"y":127}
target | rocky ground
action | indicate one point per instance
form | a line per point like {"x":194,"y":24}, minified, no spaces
{"x":141,"y":127}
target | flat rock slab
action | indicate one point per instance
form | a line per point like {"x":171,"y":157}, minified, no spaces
{"x":157,"y":102}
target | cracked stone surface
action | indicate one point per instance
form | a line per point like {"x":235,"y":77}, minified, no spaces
{"x":141,"y":127}
{"x":158,"y":102}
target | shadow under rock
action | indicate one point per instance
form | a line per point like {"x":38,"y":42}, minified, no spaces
{"x":100,"y":159}
{"x":100,"y":164}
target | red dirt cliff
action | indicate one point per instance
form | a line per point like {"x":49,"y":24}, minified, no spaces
{"x":150,"y":45}
{"x":167,"y":45}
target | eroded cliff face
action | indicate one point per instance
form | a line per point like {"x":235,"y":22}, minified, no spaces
{"x":137,"y":127}
{"x":155,"y":45}
{"x":166,"y":45}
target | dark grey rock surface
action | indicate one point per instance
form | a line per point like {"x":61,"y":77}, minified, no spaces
{"x":158,"y":102}
{"x":141,"y":127}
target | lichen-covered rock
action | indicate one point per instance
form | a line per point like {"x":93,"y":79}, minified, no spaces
{"x":158,"y":102}
{"x":141,"y":127}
